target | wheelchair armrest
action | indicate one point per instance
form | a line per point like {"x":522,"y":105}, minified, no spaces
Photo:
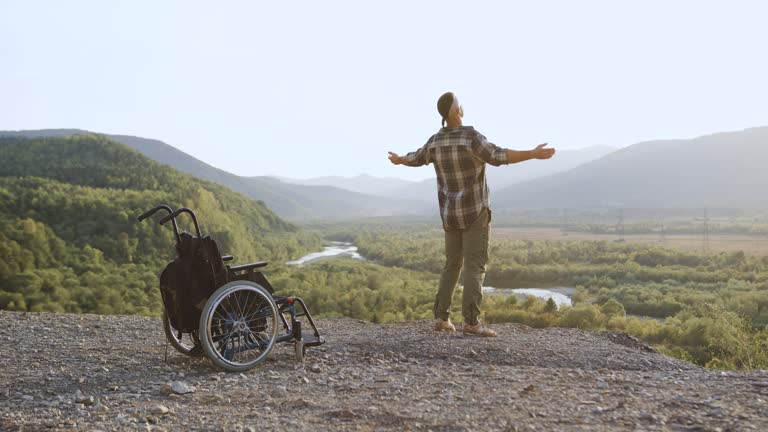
{"x":248,"y":266}
{"x":227,"y":258}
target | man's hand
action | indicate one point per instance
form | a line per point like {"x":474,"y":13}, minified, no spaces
{"x":542,"y":153}
{"x":515,"y":156}
{"x":395,"y":159}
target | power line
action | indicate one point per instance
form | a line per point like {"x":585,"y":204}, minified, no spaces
{"x":620,"y":225}
{"x":705,"y":232}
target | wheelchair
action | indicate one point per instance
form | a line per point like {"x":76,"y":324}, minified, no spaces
{"x":228,"y":313}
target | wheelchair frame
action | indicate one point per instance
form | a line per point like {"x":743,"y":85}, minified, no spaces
{"x":238,"y":281}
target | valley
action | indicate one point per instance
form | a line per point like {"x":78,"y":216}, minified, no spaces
{"x":69,"y":231}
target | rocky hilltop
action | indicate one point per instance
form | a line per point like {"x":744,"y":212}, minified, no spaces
{"x":91,"y":372}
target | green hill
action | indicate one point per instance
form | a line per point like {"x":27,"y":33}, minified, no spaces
{"x":298,"y":202}
{"x":69,"y":238}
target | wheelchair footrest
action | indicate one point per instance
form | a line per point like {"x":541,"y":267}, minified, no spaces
{"x":312,"y":340}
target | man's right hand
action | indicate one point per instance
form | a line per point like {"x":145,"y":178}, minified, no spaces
{"x":395,"y":159}
{"x":542,"y":153}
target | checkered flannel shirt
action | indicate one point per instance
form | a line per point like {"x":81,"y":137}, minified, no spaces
{"x":459,"y":155}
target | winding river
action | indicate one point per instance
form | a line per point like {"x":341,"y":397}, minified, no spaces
{"x":561,"y":295}
{"x":334,"y":250}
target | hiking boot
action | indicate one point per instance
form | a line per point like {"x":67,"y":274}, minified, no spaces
{"x":478,"y":330}
{"x":444,"y":325}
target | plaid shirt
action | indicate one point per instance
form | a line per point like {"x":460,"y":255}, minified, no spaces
{"x":459,"y":155}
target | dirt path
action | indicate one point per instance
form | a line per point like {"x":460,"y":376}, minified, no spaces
{"x":89,"y":372}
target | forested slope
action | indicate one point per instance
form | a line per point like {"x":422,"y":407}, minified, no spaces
{"x":291,"y":201}
{"x":69,"y":238}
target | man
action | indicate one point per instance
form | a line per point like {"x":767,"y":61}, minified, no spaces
{"x":459,"y":154}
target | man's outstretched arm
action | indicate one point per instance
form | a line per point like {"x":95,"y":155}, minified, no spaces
{"x":414,"y":159}
{"x":496,"y":156}
{"x":515,"y":156}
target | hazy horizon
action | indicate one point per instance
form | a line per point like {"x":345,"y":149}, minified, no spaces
{"x":327,"y":89}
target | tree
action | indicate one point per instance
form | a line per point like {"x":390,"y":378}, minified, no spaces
{"x":613,"y":308}
{"x":551,"y":306}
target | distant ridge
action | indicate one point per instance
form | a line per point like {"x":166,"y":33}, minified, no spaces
{"x":426,"y":190}
{"x":363,"y":183}
{"x":727,"y":170}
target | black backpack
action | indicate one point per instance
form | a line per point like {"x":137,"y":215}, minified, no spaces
{"x":188,"y":281}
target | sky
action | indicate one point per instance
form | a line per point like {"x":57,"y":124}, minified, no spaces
{"x":312,"y":88}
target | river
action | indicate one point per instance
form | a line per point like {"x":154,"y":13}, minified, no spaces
{"x":335,"y":249}
{"x":561,"y":295}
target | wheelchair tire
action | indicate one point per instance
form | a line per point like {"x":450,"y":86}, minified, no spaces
{"x":238,"y":326}
{"x":181,"y":342}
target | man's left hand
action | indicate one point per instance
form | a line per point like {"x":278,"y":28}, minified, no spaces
{"x":395,"y":159}
{"x":542,"y":153}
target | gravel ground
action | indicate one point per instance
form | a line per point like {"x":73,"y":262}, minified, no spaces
{"x":90,"y":372}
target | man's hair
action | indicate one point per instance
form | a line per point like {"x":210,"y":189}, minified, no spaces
{"x":444,"y":105}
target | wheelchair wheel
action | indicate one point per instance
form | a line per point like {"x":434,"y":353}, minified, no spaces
{"x":182,"y":342}
{"x":238,"y":326}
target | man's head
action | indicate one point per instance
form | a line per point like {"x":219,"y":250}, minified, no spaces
{"x":449,"y":108}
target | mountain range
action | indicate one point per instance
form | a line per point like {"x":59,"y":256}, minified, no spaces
{"x":721,"y":170}
{"x":725,"y":170}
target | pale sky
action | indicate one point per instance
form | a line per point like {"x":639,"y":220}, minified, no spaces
{"x":310,"y":88}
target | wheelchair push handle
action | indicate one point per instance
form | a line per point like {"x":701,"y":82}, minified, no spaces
{"x":175,"y":214}
{"x":146,"y":214}
{"x":171,"y":216}
{"x":154,"y":210}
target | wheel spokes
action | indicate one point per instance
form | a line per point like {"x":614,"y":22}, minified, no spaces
{"x":241,"y":325}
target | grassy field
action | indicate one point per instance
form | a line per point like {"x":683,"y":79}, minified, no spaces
{"x":753,"y":245}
